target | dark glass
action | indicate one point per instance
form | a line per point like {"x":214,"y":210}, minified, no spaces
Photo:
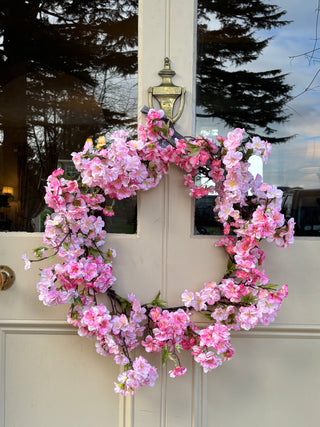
{"x":125,"y":217}
{"x":260,"y":71}
{"x":68,"y":72}
{"x":205,"y":221}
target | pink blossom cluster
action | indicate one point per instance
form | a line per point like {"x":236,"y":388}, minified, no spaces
{"x":249,"y":210}
{"x":70,"y":231}
{"x":118,"y":169}
{"x":174,"y":330}
{"x":236,"y":305}
{"x":73,"y":226}
{"x":141,"y":374}
{"x":169,"y":330}
{"x":116,"y":334}
{"x":199,"y":301}
{"x":125,"y":166}
{"x":214,"y":346}
{"x":62,"y":282}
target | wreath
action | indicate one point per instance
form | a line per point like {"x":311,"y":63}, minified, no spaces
{"x":248,"y":209}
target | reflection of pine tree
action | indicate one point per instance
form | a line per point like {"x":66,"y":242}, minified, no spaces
{"x":239,"y":97}
{"x":54,"y":57}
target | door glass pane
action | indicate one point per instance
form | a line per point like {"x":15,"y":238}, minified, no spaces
{"x":258,"y":69}
{"x":68,"y":72}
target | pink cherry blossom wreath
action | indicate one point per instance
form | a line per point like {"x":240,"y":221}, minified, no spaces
{"x":248,"y":209}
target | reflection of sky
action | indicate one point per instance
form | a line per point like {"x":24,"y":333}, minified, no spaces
{"x":297,"y":162}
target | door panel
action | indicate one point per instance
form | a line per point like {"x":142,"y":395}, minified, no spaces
{"x":55,"y":378}
{"x":267,"y":382}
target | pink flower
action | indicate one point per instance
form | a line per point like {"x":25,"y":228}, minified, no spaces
{"x":234,"y":139}
{"x":208,"y":360}
{"x":121,"y":359}
{"x":57,"y":172}
{"x":141,"y":374}
{"x":210,"y":293}
{"x":199,"y":192}
{"x":152,"y":345}
{"x":216,"y":336}
{"x":155,"y":114}
{"x":27,"y":263}
{"x":187,"y":298}
{"x":248,"y":317}
{"x":232,"y":159}
{"x":177,"y":371}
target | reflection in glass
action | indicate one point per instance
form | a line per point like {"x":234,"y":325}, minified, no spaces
{"x":205,"y":222}
{"x":231,"y":35}
{"x":67,"y":72}
{"x":294,"y":165}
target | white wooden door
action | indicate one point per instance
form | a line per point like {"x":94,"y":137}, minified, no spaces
{"x":51,"y":377}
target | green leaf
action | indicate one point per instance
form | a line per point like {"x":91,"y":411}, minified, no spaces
{"x":76,"y":301}
{"x":206,"y":315}
{"x":94,"y":252}
{"x":172,"y":357}
{"x":157,"y":302}
{"x":178,"y":347}
{"x":39,"y":251}
{"x":40,"y":248}
{"x":232,"y":317}
{"x":92,"y":156}
{"x":165,"y":129}
{"x":194,"y":150}
{"x":124,"y":303}
{"x":127,"y":367}
{"x":270,"y":287}
{"x":164,"y":355}
{"x":231,"y":267}
{"x":248,"y":299}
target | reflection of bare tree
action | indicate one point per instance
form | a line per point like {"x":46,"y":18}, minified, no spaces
{"x":121,"y":92}
{"x":311,"y":56}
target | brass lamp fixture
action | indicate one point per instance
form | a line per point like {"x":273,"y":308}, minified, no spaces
{"x":6,"y":196}
{"x":7,"y":190}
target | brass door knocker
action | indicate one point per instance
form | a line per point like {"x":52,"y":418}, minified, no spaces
{"x":167,"y":93}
